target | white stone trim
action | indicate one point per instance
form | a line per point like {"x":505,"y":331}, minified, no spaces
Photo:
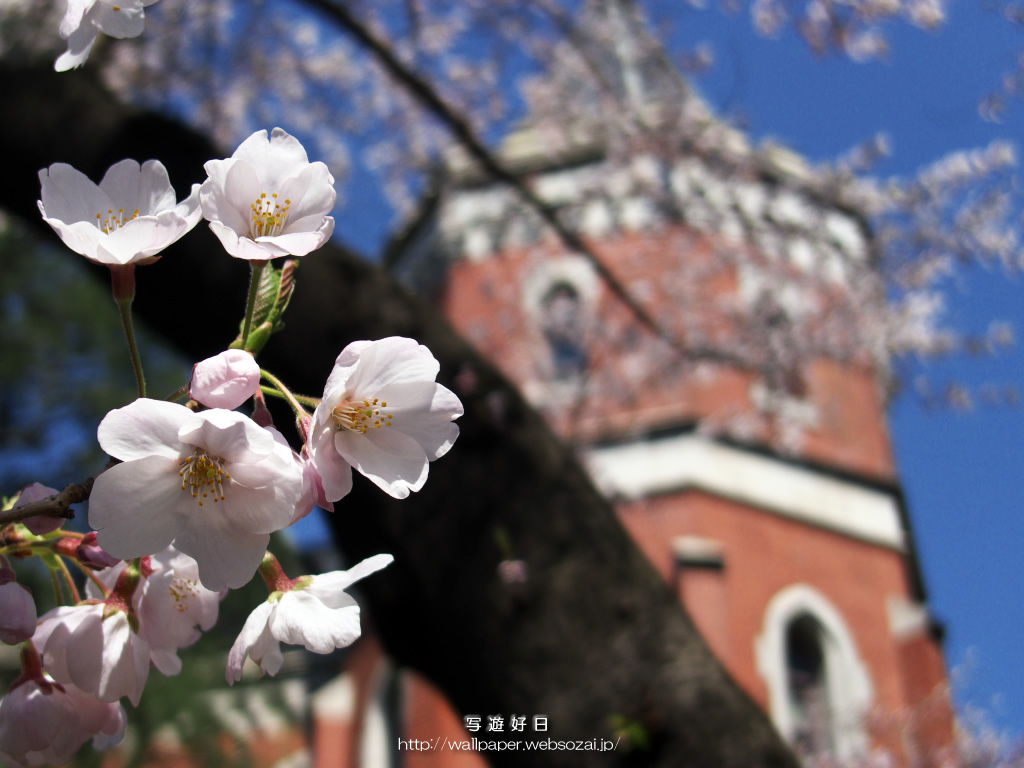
{"x":850,"y":690}
{"x":644,"y":468}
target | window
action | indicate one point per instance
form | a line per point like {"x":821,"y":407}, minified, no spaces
{"x":808,"y":693}
{"x":561,"y":322}
{"x":819,"y":689}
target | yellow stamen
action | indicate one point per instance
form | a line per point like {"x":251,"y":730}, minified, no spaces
{"x":201,"y":475}
{"x":361,"y":416}
{"x":268,"y":217}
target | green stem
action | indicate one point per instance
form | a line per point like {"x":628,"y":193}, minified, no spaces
{"x":282,"y":391}
{"x":123,"y":284}
{"x":250,"y":304}
{"x":133,"y":350}
{"x":312,"y":402}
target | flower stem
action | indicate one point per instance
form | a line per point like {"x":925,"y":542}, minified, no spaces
{"x":283,"y":391}
{"x":257,"y":267}
{"x":123,"y":283}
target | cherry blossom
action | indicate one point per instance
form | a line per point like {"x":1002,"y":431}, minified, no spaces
{"x":17,"y":608}
{"x":226,"y":380}
{"x":93,"y":646}
{"x":45,"y":723}
{"x":85,"y":19}
{"x":383,"y":414}
{"x":173,"y":607}
{"x":214,"y":483}
{"x":268,"y":200}
{"x":127,"y":219}
{"x":312,"y":611}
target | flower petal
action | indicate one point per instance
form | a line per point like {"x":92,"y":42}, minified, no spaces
{"x":424,"y":411}
{"x":228,"y":435}
{"x":138,"y":507}
{"x":254,"y":640}
{"x":228,"y":556}
{"x":70,"y":196}
{"x":145,"y":428}
{"x":301,"y":619}
{"x":335,"y":472}
{"x":329,"y":587}
{"x":391,"y":460}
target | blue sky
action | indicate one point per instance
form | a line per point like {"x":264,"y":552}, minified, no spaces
{"x":961,"y":471}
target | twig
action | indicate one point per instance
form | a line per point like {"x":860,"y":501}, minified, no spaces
{"x":460,"y":128}
{"x":58,"y":505}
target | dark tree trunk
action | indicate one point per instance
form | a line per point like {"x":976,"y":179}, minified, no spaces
{"x":592,"y":635}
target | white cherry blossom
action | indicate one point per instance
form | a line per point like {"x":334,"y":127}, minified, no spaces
{"x":42,"y":723}
{"x":85,"y":19}
{"x":314,"y":612}
{"x":173,"y":607}
{"x":268,"y":200}
{"x":383,"y":414}
{"x":93,"y":646}
{"x":17,"y":611}
{"x":127,"y":219}
{"x":226,"y":380}
{"x":214,"y":483}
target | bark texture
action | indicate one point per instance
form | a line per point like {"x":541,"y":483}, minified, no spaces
{"x":592,"y":637}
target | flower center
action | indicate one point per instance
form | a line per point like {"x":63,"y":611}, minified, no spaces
{"x":182,"y":591}
{"x":268,"y":215}
{"x":114,"y":220}
{"x":202,"y":474}
{"x":361,"y":416}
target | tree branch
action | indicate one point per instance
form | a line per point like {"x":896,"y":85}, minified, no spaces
{"x":463,"y":132}
{"x":58,"y":505}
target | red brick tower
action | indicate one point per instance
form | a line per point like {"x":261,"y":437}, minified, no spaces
{"x":759,"y":482}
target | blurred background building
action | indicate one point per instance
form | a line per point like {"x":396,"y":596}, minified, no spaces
{"x":763,"y":490}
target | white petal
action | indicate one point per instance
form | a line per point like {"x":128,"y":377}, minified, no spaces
{"x":70,"y":196}
{"x":227,"y":556}
{"x":391,"y":460}
{"x":79,"y":45}
{"x":424,"y":411}
{"x":317,"y":200}
{"x":335,"y":472}
{"x":228,"y":435}
{"x":298,"y":243}
{"x":122,"y":23}
{"x":254,"y":640}
{"x":146,"y":187}
{"x":145,"y":428}
{"x":138,"y":507}
{"x":73,"y":15}
{"x":330,"y":587}
{"x":390,"y":361}
{"x":215,"y":202}
{"x":81,"y":237}
{"x":244,"y":247}
{"x":301,"y":619}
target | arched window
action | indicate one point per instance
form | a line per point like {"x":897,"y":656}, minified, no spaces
{"x":808,"y":694}
{"x":561,"y":322}
{"x":819,"y":689}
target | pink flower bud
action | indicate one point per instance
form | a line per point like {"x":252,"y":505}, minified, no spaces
{"x":91,"y":555}
{"x":17,"y":613}
{"x":226,"y":380}
{"x":39,"y":524}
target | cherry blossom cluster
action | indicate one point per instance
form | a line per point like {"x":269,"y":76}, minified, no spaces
{"x":186,"y":507}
